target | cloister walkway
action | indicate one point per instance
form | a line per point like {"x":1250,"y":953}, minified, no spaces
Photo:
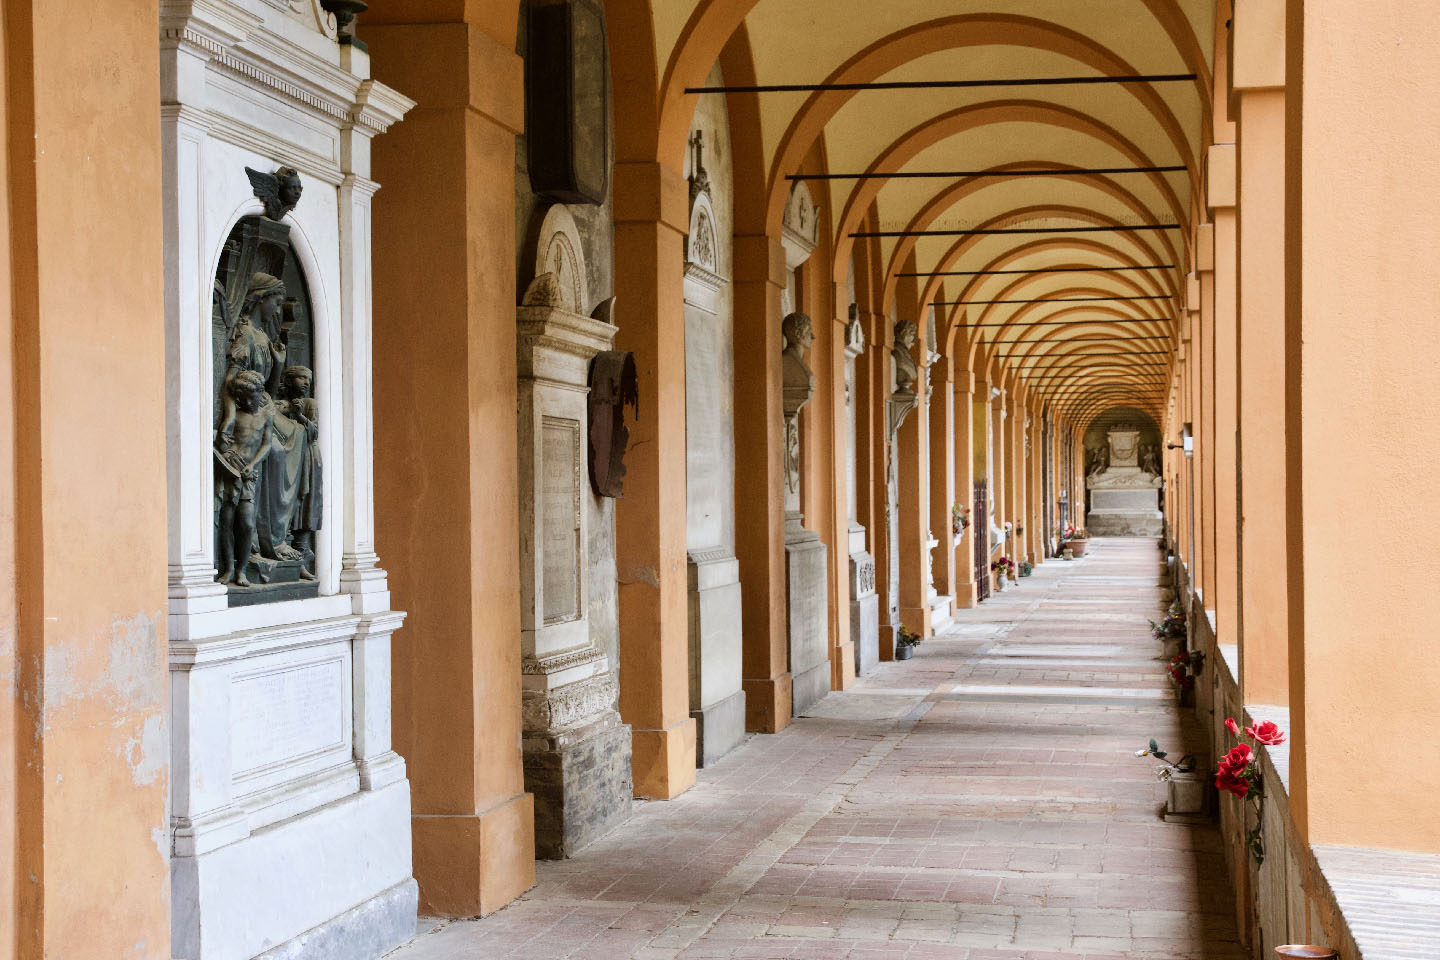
{"x":981,"y":801}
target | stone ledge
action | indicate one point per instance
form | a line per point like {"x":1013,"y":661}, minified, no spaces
{"x":1389,"y":900}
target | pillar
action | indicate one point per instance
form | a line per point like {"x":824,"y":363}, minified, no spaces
{"x":963,"y":391}
{"x":760,"y":481}
{"x":83,"y":497}
{"x":651,"y":218}
{"x":1362,"y":443}
{"x":912,"y":473}
{"x":1205,"y":456}
{"x":1220,"y":182}
{"x":943,"y":491}
{"x":1259,"y":83}
{"x":447,"y":494}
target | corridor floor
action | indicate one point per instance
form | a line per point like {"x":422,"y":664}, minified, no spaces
{"x":981,"y":801}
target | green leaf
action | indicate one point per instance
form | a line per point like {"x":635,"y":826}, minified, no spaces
{"x":1159,"y":754}
{"x":1154,"y":747}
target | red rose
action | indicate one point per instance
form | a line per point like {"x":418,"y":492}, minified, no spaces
{"x":1266,"y":733}
{"x":1231,"y":782}
{"x":1237,"y":759}
{"x":1232,"y":726}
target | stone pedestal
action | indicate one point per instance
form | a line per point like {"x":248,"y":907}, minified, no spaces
{"x":581,"y":783}
{"x":806,"y":620}
{"x":864,"y":604}
{"x":576,"y":750}
{"x":717,"y":701}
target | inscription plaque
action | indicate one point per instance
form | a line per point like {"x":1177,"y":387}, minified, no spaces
{"x":285,"y":714}
{"x":560,"y":484}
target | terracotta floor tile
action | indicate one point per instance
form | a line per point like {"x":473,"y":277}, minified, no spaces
{"x":1004,"y":817}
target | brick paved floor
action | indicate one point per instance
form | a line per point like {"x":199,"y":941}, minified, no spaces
{"x":979,"y":802}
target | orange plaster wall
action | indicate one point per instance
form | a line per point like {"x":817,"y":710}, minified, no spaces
{"x":8,"y":611}
{"x":88,"y":324}
{"x":1366,"y":279}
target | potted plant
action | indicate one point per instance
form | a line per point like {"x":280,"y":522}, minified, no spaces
{"x":905,"y":643}
{"x":1238,"y":774}
{"x":1185,"y":796}
{"x":1004,"y":569}
{"x":1077,"y":540}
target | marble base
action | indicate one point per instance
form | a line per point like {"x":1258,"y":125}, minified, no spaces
{"x":719,"y":728}
{"x":582,"y":786}
{"x":864,"y":608}
{"x":865,"y":631}
{"x":807,"y":624}
{"x":334,"y":877}
{"x":373,"y":929}
{"x":716,"y":700}
{"x":940,"y":615}
{"x":1116,"y":524}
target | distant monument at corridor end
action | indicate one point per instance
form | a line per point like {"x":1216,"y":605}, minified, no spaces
{"x":1123,"y":478}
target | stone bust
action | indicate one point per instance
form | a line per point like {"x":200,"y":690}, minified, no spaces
{"x":906,"y":370}
{"x":795,"y":374}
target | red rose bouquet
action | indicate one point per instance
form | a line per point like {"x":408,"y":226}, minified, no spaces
{"x":1238,"y":774}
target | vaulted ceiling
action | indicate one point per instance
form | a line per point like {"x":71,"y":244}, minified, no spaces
{"x":1011,"y":157}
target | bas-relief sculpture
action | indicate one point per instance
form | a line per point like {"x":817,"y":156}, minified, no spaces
{"x":268,"y":472}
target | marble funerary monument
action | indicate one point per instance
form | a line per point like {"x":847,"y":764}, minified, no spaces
{"x":1124,"y":484}
{"x":289,"y":812}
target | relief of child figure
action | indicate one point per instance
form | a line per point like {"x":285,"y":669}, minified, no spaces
{"x":241,"y":443}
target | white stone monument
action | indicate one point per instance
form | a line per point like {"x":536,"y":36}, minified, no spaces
{"x":717,"y":701}
{"x":1124,"y":497}
{"x":807,"y":613}
{"x":289,"y":811}
{"x":864,"y":600}
{"x":576,"y":750}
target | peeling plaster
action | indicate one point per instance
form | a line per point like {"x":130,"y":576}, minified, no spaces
{"x":147,"y":755}
{"x":133,"y":678}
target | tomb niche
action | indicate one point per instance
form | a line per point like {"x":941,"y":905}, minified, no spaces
{"x":269,"y":472}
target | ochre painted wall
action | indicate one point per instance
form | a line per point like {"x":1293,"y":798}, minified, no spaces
{"x":84,"y":203}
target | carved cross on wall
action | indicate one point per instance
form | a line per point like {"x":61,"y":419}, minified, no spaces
{"x":699,"y":177}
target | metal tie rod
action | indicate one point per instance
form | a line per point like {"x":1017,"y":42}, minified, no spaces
{"x":941,"y":84}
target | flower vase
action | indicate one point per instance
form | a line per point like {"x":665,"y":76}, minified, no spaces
{"x":1173,"y":647}
{"x":999,"y":582}
{"x":1185,"y":799}
{"x":904,"y":651}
